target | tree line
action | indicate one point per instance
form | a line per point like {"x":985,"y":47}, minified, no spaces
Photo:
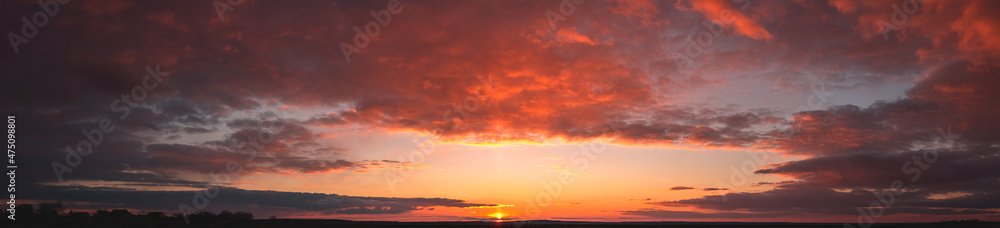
{"x":56,"y":209}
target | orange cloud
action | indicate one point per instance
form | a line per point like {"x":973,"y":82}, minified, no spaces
{"x":845,"y":6}
{"x":571,"y":35}
{"x":723,"y":11}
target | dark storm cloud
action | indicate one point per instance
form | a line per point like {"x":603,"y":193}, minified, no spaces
{"x":850,"y":150}
{"x":228,"y":198}
{"x":941,"y":139}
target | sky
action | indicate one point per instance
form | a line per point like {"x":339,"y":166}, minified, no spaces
{"x":428,"y":110}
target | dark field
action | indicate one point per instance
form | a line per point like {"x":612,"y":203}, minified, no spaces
{"x":175,"y":222}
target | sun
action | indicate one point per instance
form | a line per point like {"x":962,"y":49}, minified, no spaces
{"x":498,"y":215}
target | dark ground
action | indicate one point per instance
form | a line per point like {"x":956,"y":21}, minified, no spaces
{"x":175,"y":222}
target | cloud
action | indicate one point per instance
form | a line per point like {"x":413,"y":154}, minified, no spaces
{"x":845,"y":6}
{"x":937,"y":140}
{"x":259,"y":202}
{"x":227,"y":69}
{"x":851,"y":153}
{"x":496,"y":70}
{"x":720,"y":10}
{"x":571,"y":35}
{"x":654,"y":213}
{"x":802,"y":200}
{"x":675,"y":188}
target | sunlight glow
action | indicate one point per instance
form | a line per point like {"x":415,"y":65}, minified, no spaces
{"x":498,"y":215}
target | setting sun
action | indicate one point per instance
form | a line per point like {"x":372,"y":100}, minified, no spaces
{"x":498,"y":215}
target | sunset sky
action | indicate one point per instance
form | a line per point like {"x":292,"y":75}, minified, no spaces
{"x":428,"y":110}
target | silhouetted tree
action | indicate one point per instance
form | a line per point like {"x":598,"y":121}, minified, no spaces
{"x":79,"y":215}
{"x":202,"y":216}
{"x":51,"y":209}
{"x":24,"y":211}
{"x":156,"y":215}
{"x":225,"y":214}
{"x":963,"y":221}
{"x":120,"y":213}
{"x":102,"y":213}
{"x":243,"y":215}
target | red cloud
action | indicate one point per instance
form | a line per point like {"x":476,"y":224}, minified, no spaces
{"x":724,"y":11}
